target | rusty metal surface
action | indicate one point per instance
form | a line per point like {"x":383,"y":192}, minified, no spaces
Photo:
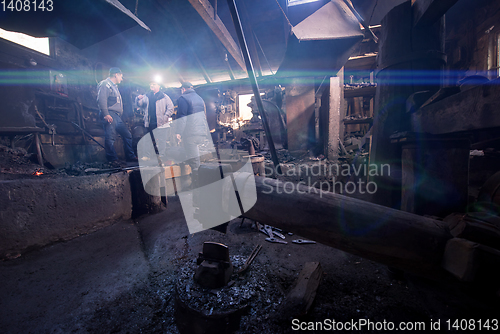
{"x":332,"y":21}
{"x":322,"y":43}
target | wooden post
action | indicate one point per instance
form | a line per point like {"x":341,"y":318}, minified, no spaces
{"x":38,"y":147}
{"x":472,"y":262}
{"x":336,"y":115}
{"x":299,"y":300}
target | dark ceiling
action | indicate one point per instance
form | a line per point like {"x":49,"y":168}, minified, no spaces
{"x":180,"y":46}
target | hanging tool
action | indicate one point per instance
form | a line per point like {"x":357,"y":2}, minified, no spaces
{"x":52,"y":132}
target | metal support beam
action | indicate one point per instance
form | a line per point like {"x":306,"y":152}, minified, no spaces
{"x":253,"y":81}
{"x":427,"y":12}
{"x":251,"y":41}
{"x":206,"y":11}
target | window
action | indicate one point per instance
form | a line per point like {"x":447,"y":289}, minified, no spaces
{"x":245,"y":110}
{"x":39,"y":44}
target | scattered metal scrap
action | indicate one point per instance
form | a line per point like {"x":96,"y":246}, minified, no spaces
{"x":302,"y":241}
{"x":276,"y":240}
{"x":273,"y":232}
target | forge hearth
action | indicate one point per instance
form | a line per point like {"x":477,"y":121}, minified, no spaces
{"x":214,"y":266}
{"x":201,"y":310}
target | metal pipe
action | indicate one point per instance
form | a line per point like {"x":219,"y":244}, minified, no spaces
{"x":253,"y":81}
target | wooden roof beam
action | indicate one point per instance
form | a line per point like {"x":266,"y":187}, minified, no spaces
{"x":207,"y":12}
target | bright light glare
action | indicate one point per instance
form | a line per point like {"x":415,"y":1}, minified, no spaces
{"x":157,"y":78}
{"x":245,"y":111}
{"x":40,"y":44}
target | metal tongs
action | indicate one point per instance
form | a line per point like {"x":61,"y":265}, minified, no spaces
{"x":250,"y":259}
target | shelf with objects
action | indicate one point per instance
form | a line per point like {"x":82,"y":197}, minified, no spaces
{"x":359,"y":96}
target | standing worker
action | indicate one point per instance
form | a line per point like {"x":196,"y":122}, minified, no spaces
{"x":191,"y":124}
{"x":158,"y":107}
{"x":110,"y":105}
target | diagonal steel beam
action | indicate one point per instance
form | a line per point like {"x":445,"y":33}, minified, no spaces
{"x":427,"y":12}
{"x":206,"y":11}
{"x":253,"y":81}
{"x":250,"y":41}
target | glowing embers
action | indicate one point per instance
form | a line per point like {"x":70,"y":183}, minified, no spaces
{"x":38,"y":172}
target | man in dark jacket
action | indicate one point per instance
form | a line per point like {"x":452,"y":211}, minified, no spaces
{"x":191,"y":123}
{"x":110,"y":105}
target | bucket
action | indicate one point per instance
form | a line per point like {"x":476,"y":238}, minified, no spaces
{"x":258,"y":165}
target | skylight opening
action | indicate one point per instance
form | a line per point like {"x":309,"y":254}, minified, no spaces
{"x":39,"y":44}
{"x":299,"y":2}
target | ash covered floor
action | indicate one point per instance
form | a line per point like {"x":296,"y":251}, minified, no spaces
{"x":122,"y":279}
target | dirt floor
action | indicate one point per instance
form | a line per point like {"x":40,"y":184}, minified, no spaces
{"x":129,"y":278}
{"x":123,"y":279}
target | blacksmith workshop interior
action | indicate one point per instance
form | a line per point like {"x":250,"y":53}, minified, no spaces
{"x":348,"y":177}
